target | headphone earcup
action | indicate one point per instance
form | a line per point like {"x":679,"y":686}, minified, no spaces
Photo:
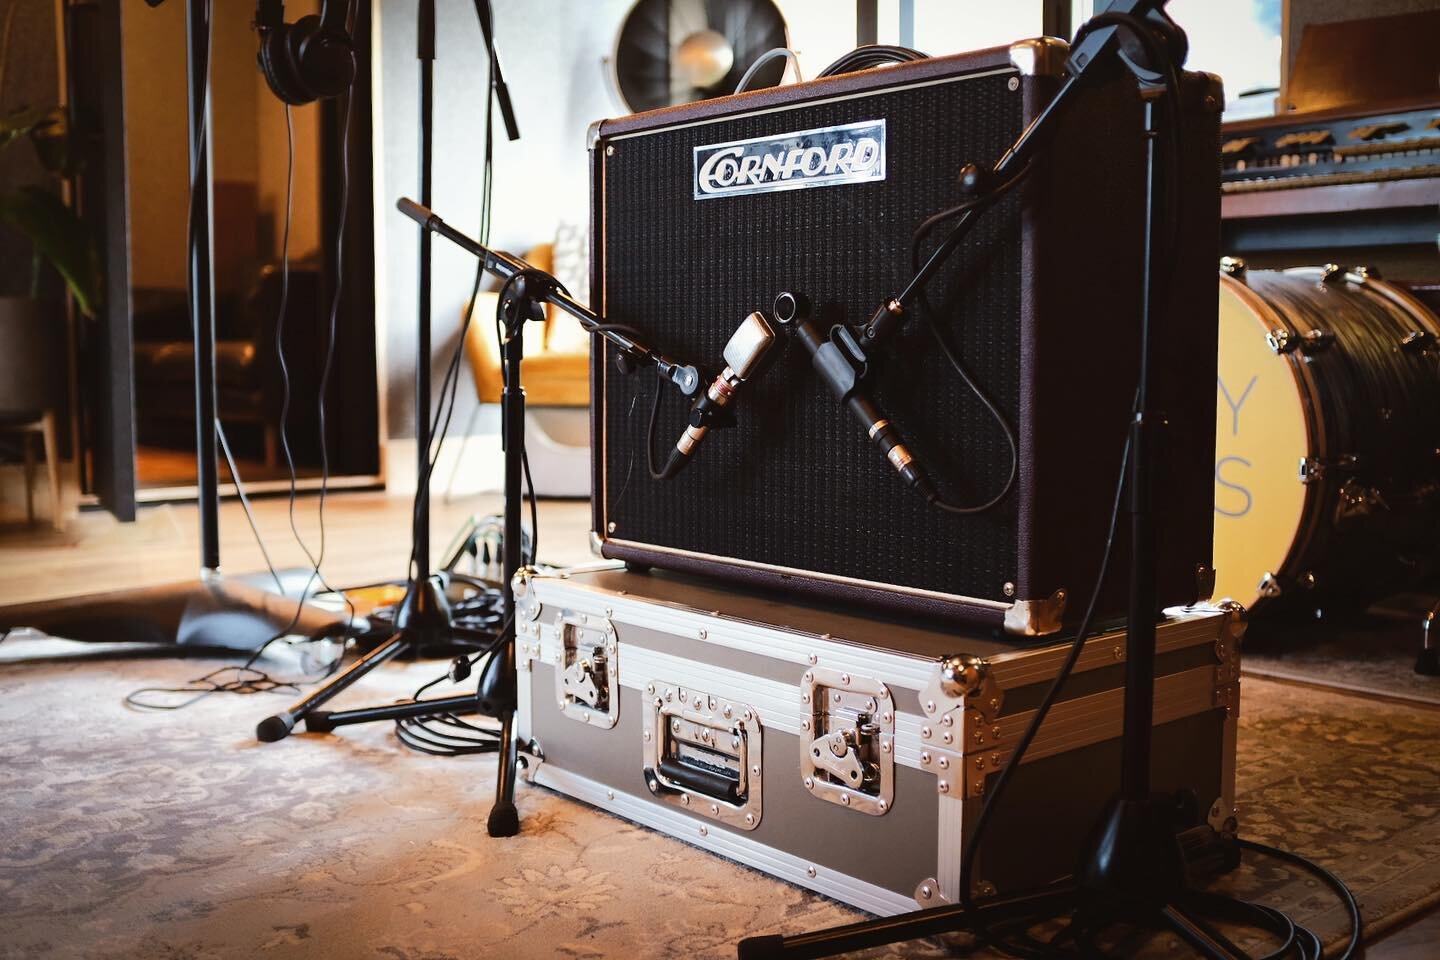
{"x":326,"y":59}
{"x":281,"y":67}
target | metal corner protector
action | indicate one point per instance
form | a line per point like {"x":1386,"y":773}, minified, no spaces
{"x":1036,"y":618}
{"x":1040,"y":56}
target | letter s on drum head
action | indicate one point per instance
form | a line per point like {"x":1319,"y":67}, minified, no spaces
{"x":1261,"y":435}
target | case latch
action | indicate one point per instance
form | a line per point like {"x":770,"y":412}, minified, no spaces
{"x":849,"y":756}
{"x":587,"y":676}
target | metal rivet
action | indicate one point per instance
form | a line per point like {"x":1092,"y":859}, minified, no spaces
{"x":809,"y":871}
{"x":943,"y":786}
{"x":609,"y":149}
{"x":750,"y":818}
{"x":611,"y":525}
{"x":839,"y":699}
{"x":948,"y":720}
{"x":704,"y":831}
{"x":925,"y":892}
{"x":609,"y":794}
{"x":809,"y":783}
{"x":845,"y":678}
{"x":885,"y":717}
{"x":944,"y":763}
{"x":814,"y":659}
{"x":755,"y":769}
{"x":714,"y":809}
{"x":884,"y":746}
{"x":704,"y":633}
{"x":726,"y":712}
{"x":929,"y":706}
{"x":995,"y":759}
{"x":925,"y":732}
{"x":924,"y":756}
{"x":845,"y":799}
{"x":647,"y":735}
{"x":884,"y":805}
{"x":979,"y":763}
{"x":947,"y":736}
{"x":804,"y":724}
{"x":804,"y":698}
{"x":1013,"y":83}
{"x":685,"y":799}
{"x":747,"y":715}
{"x":1008,"y":589}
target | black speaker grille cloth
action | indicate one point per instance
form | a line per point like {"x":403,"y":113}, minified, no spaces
{"x":796,"y":483}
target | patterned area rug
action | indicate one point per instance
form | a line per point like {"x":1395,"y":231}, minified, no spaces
{"x":1373,"y":657}
{"x":177,"y":836}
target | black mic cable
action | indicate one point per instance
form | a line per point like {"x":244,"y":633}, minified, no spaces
{"x":744,"y":356}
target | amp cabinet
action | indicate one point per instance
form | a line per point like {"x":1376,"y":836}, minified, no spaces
{"x":703,"y":213}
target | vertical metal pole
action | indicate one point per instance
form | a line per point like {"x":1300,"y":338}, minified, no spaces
{"x":425,"y":51}
{"x":202,"y":286}
{"x":498,"y":684}
{"x":1140,"y":634}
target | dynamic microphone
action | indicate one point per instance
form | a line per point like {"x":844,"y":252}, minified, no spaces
{"x":840,"y":361}
{"x":743,"y":356}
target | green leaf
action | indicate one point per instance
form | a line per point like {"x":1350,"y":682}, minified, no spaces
{"x":58,"y":236}
{"x":17,"y":124}
{"x":49,"y":132}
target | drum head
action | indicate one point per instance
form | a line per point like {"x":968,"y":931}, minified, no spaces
{"x":1260,"y":438}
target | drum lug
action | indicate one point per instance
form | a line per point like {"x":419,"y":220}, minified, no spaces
{"x":1332,"y":272}
{"x":1280,"y":340}
{"x":1311,"y":470}
{"x":1232,"y":267}
{"x":1416,"y":341}
{"x":1365,"y":272}
{"x":1317,"y":340}
{"x":1269,"y":586}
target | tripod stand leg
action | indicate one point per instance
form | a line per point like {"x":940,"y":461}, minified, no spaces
{"x":504,"y":820}
{"x":279,"y":726}
{"x":1204,"y":940}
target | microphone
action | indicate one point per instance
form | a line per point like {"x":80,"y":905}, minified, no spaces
{"x":841,"y":364}
{"x":743,"y":356}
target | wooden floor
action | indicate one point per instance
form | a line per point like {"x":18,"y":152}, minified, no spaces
{"x":367,"y":540}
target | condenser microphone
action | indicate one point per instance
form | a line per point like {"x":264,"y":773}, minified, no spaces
{"x":743,"y":356}
{"x":840,"y":363}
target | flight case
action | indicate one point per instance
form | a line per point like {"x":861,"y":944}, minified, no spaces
{"x":846,"y":753}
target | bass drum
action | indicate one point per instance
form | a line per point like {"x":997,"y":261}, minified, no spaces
{"x":1327,"y":454}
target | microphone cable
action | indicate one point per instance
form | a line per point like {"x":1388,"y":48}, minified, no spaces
{"x":979,"y":205}
{"x":871,"y":55}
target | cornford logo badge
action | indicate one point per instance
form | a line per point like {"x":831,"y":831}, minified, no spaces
{"x":853,"y":153}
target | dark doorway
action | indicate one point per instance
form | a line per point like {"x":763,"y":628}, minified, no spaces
{"x":261,"y":259}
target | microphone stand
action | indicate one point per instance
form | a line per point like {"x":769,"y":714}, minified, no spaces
{"x":527,"y":291}
{"x":1133,"y":869}
{"x":422,"y":618}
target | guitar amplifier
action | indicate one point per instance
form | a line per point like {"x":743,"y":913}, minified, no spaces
{"x":703,"y":213}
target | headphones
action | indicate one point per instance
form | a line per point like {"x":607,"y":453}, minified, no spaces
{"x":310,"y":59}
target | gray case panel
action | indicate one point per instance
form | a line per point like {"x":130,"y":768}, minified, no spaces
{"x":895,"y":852}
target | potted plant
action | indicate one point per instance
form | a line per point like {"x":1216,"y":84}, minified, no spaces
{"x":31,"y":328}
